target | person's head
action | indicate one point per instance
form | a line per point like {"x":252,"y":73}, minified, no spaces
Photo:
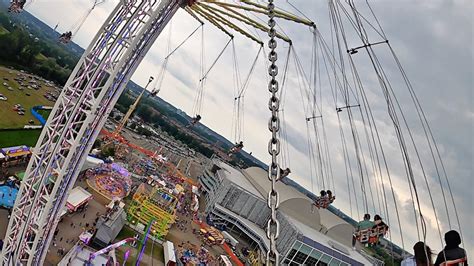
{"x":367,"y":216}
{"x":422,"y":254}
{"x":452,"y":239}
{"x":329,"y":192}
{"x":377,"y":218}
{"x":241,"y":142}
{"x":323,"y":193}
{"x":288,"y":170}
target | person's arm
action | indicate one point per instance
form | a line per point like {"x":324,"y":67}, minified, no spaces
{"x":439,"y":259}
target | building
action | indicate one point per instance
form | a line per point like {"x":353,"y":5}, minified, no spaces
{"x":12,"y":156}
{"x":109,"y":225}
{"x":80,"y":255}
{"x":236,"y":200}
{"x":78,"y":199}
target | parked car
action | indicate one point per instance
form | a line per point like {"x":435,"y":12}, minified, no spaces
{"x":5,"y":84}
{"x":21,"y":113}
{"x":28,"y":94}
{"x":3,"y":98}
{"x":10,"y":88}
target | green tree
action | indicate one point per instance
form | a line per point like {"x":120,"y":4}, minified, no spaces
{"x":108,"y":152}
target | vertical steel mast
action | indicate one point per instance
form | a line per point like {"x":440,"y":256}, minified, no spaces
{"x":77,"y":117}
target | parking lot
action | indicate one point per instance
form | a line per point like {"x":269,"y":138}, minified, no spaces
{"x":19,"y":92}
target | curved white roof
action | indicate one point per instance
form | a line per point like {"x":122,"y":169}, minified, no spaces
{"x":294,"y":202}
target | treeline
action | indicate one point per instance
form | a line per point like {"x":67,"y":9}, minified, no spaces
{"x":41,"y":57}
{"x":154,"y":115}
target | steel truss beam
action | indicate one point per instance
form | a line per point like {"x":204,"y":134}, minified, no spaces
{"x":77,"y":117}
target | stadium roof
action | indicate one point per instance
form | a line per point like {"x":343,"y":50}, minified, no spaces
{"x":292,"y":203}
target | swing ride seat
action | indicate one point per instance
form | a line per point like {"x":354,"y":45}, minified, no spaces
{"x":461,"y":261}
{"x":382,"y":230}
{"x":14,"y":7}
{"x":323,"y":202}
{"x":235,"y":149}
{"x":65,"y":39}
{"x":371,"y":235}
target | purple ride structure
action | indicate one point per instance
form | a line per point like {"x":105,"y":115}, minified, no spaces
{"x":80,"y":112}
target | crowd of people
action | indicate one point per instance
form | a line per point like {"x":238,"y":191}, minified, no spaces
{"x":451,"y":254}
{"x":190,"y":254}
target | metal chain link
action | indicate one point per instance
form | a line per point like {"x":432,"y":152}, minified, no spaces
{"x":273,"y":198}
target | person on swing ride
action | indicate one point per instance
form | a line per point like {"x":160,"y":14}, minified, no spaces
{"x":16,"y":6}
{"x":378,"y":230}
{"x":330,"y":196}
{"x":379,"y":224}
{"x":422,"y":256}
{"x":452,"y":254}
{"x":194,"y":121}
{"x":237,"y":147}
{"x":366,"y":223}
{"x":65,"y":37}
{"x":321,"y":199}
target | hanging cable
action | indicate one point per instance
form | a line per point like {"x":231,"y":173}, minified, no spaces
{"x":161,"y":75}
{"x":200,"y":95}
{"x":76,"y":27}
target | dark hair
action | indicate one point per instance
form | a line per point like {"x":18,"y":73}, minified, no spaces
{"x":329,"y":192}
{"x":452,"y":238}
{"x":377,"y":218}
{"x":366,"y":216}
{"x":422,"y":254}
{"x":323,"y":193}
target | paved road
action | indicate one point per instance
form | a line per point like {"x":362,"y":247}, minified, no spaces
{"x":70,"y":228}
{"x":3,"y":222}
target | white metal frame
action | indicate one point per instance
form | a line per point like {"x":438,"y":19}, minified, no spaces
{"x":77,"y":117}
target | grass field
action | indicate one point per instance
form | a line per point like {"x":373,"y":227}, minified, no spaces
{"x":3,"y":30}
{"x":44,"y":113}
{"x":9,"y":118}
{"x":19,"y":137}
{"x":41,"y":57}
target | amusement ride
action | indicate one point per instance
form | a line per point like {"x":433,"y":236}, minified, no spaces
{"x":124,"y":39}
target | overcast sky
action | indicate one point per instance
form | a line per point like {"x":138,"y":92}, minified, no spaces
{"x":434,"y":42}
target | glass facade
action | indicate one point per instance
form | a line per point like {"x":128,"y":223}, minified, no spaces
{"x":302,"y":254}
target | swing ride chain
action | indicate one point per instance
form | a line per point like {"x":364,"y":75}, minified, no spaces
{"x":273,"y":199}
